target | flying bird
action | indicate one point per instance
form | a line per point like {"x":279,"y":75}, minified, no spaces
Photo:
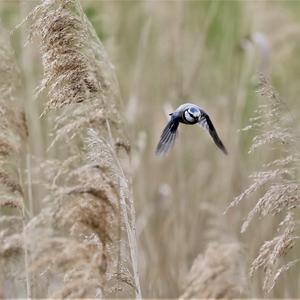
{"x":188,"y":114}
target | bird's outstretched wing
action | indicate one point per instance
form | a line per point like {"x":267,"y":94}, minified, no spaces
{"x":168,"y":137}
{"x":207,"y":124}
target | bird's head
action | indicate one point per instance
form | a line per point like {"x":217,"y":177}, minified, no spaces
{"x":194,"y":112}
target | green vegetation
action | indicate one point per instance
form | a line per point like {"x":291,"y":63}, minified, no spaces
{"x":88,"y":210}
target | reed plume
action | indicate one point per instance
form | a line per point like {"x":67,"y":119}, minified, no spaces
{"x":88,"y":197}
{"x":277,"y":183}
{"x":13,"y":136}
{"x":218,"y":273}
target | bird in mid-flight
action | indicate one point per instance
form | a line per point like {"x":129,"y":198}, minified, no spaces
{"x":189,"y":114}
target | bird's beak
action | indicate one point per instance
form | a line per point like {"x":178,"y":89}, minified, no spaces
{"x":170,"y":114}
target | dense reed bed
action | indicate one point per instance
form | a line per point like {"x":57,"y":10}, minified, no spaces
{"x":13,"y":137}
{"x":86,"y":208}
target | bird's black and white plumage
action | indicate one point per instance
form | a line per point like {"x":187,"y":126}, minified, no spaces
{"x":189,"y":114}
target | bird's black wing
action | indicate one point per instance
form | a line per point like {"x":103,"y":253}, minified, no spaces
{"x":168,"y":136}
{"x":207,"y":124}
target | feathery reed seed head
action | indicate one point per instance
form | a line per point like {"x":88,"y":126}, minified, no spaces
{"x":217,"y":274}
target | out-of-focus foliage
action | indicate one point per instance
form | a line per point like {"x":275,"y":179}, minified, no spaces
{"x":210,"y":53}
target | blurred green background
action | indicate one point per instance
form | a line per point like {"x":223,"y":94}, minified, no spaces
{"x":209,"y":53}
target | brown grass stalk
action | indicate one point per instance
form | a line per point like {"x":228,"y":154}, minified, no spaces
{"x":219,"y":273}
{"x":13,"y":136}
{"x":89,"y":198}
{"x":276,"y":184}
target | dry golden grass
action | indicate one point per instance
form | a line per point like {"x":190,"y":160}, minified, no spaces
{"x":13,"y":138}
{"x":82,"y":242}
{"x":89,"y":198}
{"x":277,"y":181}
{"x":217,"y":274}
{"x":71,"y":181}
